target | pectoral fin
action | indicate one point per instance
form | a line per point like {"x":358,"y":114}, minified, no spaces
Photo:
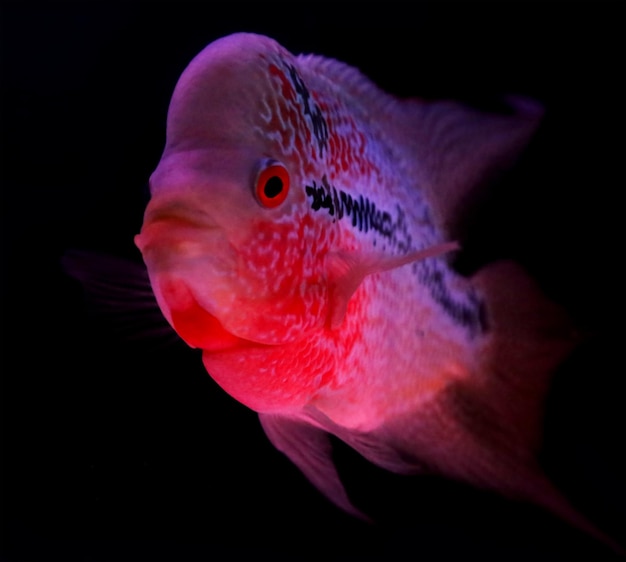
{"x":310,"y":449}
{"x":347,"y":272}
{"x":118,"y":292}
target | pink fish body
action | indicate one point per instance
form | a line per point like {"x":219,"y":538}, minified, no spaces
{"x":299,"y":233}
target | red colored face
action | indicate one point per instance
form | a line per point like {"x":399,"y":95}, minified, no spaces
{"x":236,"y":249}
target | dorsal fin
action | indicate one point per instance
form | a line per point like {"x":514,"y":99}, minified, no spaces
{"x":453,"y":149}
{"x":353,"y":85}
{"x":459,"y":150}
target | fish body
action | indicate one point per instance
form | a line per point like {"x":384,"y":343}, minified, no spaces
{"x":275,"y":276}
{"x":299,"y":233}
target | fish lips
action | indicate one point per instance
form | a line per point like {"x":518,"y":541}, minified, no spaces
{"x":193,"y":322}
{"x":183,"y":255}
{"x":193,"y":318}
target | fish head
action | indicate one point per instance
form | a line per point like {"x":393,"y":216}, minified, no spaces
{"x":234,"y":255}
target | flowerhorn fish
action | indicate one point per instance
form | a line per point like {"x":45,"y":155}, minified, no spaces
{"x":299,"y":233}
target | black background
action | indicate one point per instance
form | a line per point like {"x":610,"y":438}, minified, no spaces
{"x":126,"y":450}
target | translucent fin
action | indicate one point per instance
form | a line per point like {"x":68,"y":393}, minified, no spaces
{"x":461,"y":150}
{"x":531,"y":337}
{"x":348,"y":271}
{"x":310,"y":449}
{"x":118,"y":291}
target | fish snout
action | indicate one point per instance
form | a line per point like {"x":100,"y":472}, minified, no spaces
{"x":177,"y":237}
{"x":171,"y":223}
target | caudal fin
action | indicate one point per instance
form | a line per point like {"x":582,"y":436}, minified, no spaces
{"x":531,"y":336}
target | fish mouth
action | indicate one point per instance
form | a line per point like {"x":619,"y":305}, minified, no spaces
{"x":176,"y":210}
{"x":196,"y":326}
{"x":177,"y":242}
{"x":172,"y":223}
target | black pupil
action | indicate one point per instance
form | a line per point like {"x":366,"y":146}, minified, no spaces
{"x":273,"y":187}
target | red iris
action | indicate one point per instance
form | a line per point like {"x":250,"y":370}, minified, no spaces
{"x":272,"y":185}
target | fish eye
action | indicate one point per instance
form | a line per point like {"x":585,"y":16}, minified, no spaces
{"x":272,"y":184}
